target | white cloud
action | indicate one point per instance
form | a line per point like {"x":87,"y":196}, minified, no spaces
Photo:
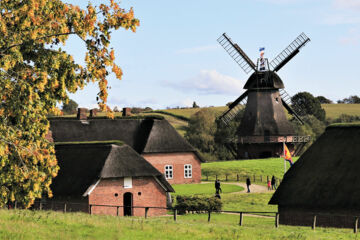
{"x":210,"y":82}
{"x":197,"y":49}
{"x":353,"y":37}
{"x":347,"y":4}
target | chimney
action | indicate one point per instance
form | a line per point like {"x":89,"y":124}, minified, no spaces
{"x":93,"y":112}
{"x":81,"y":114}
{"x":126,"y":112}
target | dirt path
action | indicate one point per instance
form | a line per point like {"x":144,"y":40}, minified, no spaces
{"x":254,"y":188}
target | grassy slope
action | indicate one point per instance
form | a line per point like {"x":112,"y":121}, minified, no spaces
{"x":263,"y":167}
{"x":203,"y":189}
{"x":22,"y":224}
{"x":335,"y":110}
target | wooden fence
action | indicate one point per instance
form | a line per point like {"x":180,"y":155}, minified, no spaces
{"x":239,"y":178}
{"x":84,"y":207}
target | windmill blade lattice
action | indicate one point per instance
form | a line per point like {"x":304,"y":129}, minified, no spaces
{"x":231,"y":113}
{"x":289,"y":52}
{"x":296,"y":108}
{"x":236,"y":53}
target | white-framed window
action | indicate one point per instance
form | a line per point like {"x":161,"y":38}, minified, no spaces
{"x":187,"y":171}
{"x":168,"y":171}
{"x":127,"y":182}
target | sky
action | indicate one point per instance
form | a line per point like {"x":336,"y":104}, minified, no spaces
{"x":173,"y":59}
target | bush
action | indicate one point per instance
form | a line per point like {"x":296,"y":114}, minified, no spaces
{"x":197,"y":204}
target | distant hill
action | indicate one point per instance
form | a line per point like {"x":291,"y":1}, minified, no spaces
{"x":178,"y":118}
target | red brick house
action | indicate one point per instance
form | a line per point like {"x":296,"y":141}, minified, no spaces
{"x":153,"y":138}
{"x":109,"y":174}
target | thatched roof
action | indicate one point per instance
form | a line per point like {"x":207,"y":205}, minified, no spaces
{"x":327,"y":175}
{"x":83,"y":164}
{"x":143,"y":135}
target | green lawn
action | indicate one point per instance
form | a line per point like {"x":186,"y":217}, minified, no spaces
{"x":25,"y":224}
{"x":258,"y":167}
{"x":204,"y":189}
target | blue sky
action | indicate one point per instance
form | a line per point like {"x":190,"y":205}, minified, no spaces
{"x":174,"y":59}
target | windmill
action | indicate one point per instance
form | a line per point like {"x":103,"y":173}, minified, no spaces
{"x":264,"y":126}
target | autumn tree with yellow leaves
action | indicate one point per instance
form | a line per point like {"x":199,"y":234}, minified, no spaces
{"x":35,"y":75}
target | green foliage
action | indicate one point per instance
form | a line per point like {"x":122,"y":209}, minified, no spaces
{"x":324,"y":100}
{"x":197,"y":204}
{"x":345,"y":118}
{"x":309,"y":104}
{"x":201,"y":130}
{"x":70,"y":107}
{"x":207,"y":189}
{"x":351,"y":100}
{"x":195,"y":105}
{"x":36,"y":75}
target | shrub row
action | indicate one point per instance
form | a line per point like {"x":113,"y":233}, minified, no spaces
{"x":197,"y":204}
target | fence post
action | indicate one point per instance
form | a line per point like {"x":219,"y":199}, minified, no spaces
{"x":254,"y":178}
{"x":260,"y":178}
{"x":356,"y":224}
{"x":209,"y":216}
{"x":237,"y":177}
{"x":175,"y":213}
{"x":40,"y":207}
{"x":226,"y":177}
{"x":90,"y":209}
{"x":216,"y":177}
{"x":207,"y":177}
{"x":117,"y":210}
{"x":146,"y":211}
{"x":241,"y":219}
{"x":314,"y":223}
{"x":277,"y":220}
{"x":64,"y":207}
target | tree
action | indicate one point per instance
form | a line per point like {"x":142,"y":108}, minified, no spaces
{"x":36,"y":75}
{"x":351,"y":100}
{"x":195,"y":105}
{"x":201,"y":130}
{"x":70,"y":107}
{"x":324,"y":100}
{"x":309,"y":104}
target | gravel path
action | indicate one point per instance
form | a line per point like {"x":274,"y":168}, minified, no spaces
{"x":254,"y":188}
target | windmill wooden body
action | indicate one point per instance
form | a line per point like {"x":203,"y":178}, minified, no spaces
{"x":264,"y":125}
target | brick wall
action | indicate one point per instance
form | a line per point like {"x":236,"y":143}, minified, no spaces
{"x":177,"y":160}
{"x":151,"y":194}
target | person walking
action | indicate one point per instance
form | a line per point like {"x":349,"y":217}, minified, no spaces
{"x":218,"y":186}
{"x":248,"y":183}
{"x":269,"y":185}
{"x":273,"y":182}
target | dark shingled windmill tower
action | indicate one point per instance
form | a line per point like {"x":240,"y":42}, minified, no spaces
{"x":264,"y":126}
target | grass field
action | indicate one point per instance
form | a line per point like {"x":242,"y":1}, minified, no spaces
{"x":258,"y":167}
{"x":203,"y":189}
{"x":25,"y":224}
{"x":335,"y":110}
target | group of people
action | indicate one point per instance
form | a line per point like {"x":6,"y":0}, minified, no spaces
{"x":271,"y":185}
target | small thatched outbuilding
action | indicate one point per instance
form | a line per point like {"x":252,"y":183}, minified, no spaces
{"x":324,"y":182}
{"x":110,"y":174}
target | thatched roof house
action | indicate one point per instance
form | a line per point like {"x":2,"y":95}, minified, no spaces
{"x":324,"y":181}
{"x":98,"y":171}
{"x":153,"y":138}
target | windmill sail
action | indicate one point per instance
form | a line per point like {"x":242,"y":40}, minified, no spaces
{"x":234,"y":109}
{"x":236,"y":53}
{"x":289,"y":52}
